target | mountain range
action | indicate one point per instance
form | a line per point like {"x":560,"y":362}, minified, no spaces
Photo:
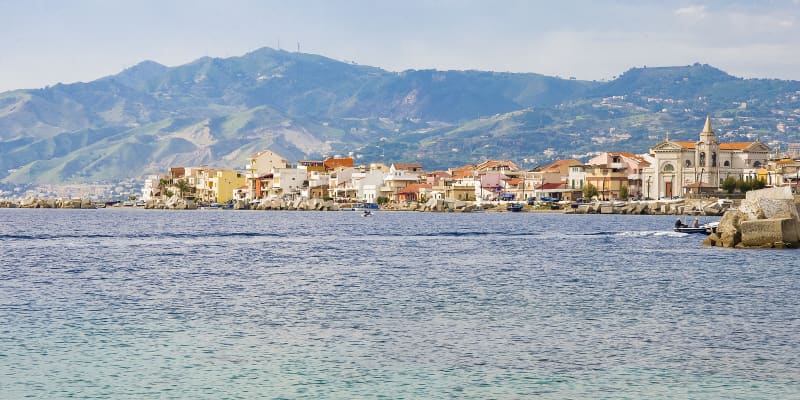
{"x":219,"y":111}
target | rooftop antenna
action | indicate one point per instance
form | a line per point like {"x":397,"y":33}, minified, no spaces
{"x":668,"y":136}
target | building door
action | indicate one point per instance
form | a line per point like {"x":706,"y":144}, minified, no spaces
{"x":668,"y":189}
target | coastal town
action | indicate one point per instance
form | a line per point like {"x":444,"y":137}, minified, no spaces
{"x":670,"y":170}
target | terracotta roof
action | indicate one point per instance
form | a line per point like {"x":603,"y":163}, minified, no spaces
{"x":332,"y":163}
{"x":407,"y":166}
{"x":414,"y":188}
{"x":722,"y":146}
{"x":735,"y":145}
{"x":558,"y":164}
{"x":496,"y":163}
{"x":463,"y":172}
{"x":547,"y":186}
{"x":685,"y":145}
{"x":514,"y":181}
{"x":632,"y":156}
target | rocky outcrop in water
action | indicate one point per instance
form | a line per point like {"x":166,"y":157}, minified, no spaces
{"x":767,"y":218}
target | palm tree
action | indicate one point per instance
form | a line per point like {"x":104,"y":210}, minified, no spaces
{"x":162,"y":185}
{"x":183,"y":187}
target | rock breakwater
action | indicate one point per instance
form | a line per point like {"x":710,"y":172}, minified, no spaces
{"x":766,"y":218}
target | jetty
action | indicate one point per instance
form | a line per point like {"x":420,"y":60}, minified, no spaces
{"x":766,"y":218}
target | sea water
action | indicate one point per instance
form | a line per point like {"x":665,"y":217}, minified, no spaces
{"x":134,"y":304}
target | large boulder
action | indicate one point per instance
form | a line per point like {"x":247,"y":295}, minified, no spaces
{"x":766,"y":218}
{"x":768,"y":232}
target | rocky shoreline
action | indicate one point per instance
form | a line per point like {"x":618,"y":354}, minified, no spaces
{"x":711,"y":207}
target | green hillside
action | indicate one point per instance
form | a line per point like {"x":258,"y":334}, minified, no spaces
{"x":219,"y":111}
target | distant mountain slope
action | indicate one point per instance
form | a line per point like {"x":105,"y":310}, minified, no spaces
{"x":219,"y":111}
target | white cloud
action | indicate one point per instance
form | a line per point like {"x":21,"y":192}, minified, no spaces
{"x":692,"y":11}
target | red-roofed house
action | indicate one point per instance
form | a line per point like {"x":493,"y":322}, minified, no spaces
{"x":413,"y":192}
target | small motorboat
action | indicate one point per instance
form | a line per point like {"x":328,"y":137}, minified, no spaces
{"x":367,"y":213}
{"x":515,"y":207}
{"x":707,"y":228}
{"x":691,"y":229}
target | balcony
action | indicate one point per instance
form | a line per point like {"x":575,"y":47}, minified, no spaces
{"x":617,"y":165}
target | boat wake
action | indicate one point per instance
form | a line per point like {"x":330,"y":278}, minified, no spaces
{"x":636,"y":233}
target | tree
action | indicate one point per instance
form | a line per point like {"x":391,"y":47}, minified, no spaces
{"x":759,"y":183}
{"x":183,"y":187}
{"x":623,"y":192}
{"x":590,"y":191}
{"x":729,"y":184}
{"x":744,"y":185}
{"x":382,"y":200}
{"x":162,"y":185}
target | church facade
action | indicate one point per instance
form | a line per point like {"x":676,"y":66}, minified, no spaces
{"x":680,"y":167}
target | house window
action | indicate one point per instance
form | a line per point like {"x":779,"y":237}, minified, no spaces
{"x":713,"y":159}
{"x":688,"y":163}
{"x":726,"y":164}
{"x":668,"y":168}
{"x":702,"y":158}
{"x":757,"y":164}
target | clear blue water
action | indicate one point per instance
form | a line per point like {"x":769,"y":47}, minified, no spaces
{"x":125,"y":304}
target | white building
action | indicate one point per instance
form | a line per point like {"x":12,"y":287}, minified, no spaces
{"x":150,"y":187}
{"x":288,"y":182}
{"x":682,"y":167}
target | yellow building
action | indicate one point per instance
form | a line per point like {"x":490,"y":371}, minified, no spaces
{"x":223,"y":182}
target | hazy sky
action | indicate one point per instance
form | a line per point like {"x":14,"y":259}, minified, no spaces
{"x":45,"y":42}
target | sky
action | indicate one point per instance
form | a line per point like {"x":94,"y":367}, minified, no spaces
{"x":46,"y":42}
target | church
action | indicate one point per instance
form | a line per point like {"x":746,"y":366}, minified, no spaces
{"x":678,"y":167}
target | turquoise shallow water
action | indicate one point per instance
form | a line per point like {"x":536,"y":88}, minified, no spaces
{"x":125,"y":304}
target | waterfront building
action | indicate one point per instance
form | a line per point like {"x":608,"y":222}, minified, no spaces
{"x":621,"y":163}
{"x":609,"y":181}
{"x":260,"y":164}
{"x":151,"y":188}
{"x":288,"y":182}
{"x":318,"y":185}
{"x":551,"y":180}
{"x":222,"y":183}
{"x":576,"y":179}
{"x":681,"y":167}
{"x":414,"y":192}
{"x":398,"y":178}
{"x":368,"y":184}
{"x":783,"y":172}
{"x":341,"y":184}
